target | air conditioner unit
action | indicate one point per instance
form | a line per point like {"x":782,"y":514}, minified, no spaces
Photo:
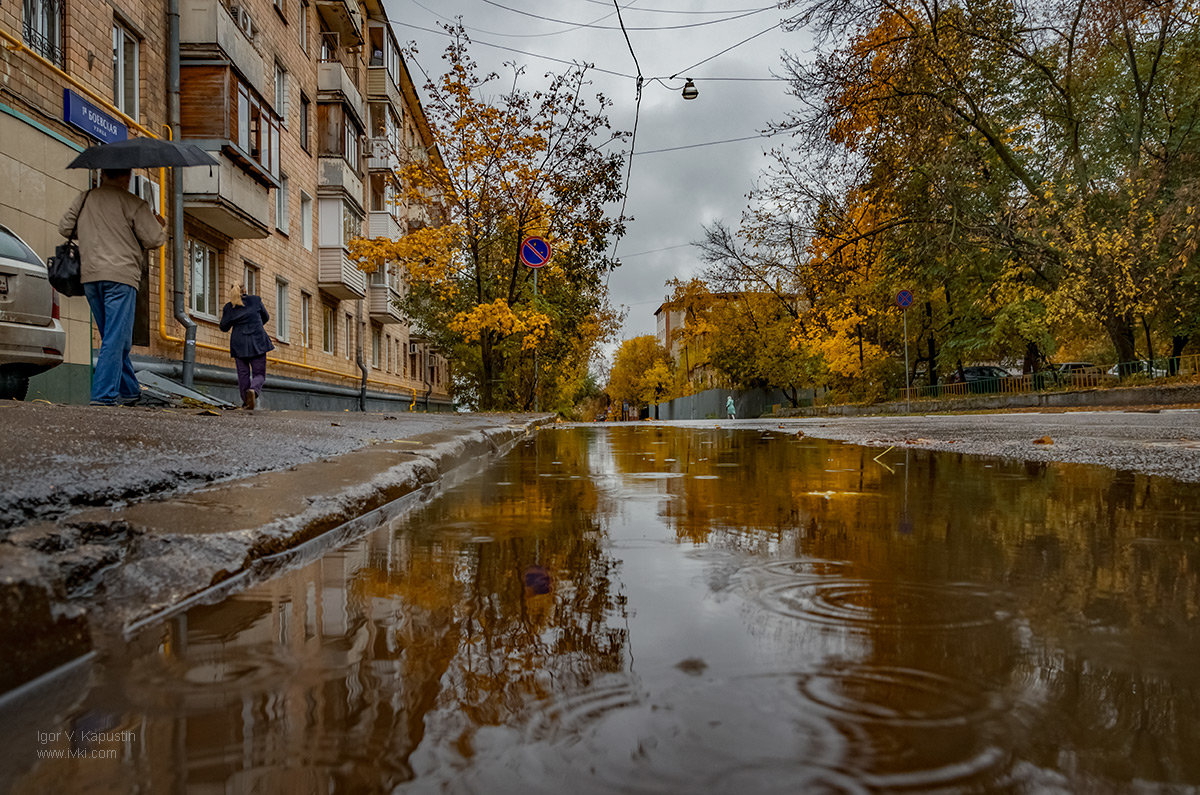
{"x":244,"y":21}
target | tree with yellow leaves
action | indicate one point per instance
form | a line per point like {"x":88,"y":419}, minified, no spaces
{"x":510,"y":163}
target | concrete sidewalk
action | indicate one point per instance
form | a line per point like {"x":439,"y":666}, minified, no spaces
{"x":111,"y":516}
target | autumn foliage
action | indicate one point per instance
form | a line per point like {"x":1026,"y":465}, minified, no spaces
{"x":509,"y":163}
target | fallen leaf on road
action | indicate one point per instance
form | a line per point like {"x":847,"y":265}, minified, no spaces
{"x":1044,"y":440}
{"x":336,"y":424}
{"x":208,"y":413}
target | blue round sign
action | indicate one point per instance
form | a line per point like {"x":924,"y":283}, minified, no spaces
{"x":904,"y":299}
{"x":535,"y":252}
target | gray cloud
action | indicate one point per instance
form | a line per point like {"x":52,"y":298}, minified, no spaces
{"x":672,"y":194}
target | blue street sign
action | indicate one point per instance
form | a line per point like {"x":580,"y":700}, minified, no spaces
{"x":535,"y":252}
{"x":78,"y":112}
{"x":904,"y":299}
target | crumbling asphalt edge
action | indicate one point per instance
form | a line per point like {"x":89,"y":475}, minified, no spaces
{"x":81,"y":574}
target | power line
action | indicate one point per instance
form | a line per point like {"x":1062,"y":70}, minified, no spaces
{"x":637,"y":112}
{"x":675,"y":11}
{"x":521,"y":52}
{"x":513,"y":35}
{"x":727,"y":49}
{"x":656,"y":250}
{"x":706,"y":143}
{"x":622,"y":26}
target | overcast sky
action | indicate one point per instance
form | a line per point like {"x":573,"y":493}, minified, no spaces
{"x":671,"y":194}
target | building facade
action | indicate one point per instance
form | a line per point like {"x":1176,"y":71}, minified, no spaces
{"x":308,"y":108}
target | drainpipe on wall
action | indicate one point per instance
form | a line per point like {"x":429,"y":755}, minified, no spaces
{"x":177,"y":253}
{"x":362,"y":364}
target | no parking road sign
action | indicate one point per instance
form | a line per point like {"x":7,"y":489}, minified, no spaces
{"x":535,"y":252}
{"x":904,"y":299}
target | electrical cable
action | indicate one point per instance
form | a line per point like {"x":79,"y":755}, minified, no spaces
{"x":520,"y":52}
{"x":675,"y":11}
{"x":637,"y":112}
{"x":622,"y":26}
{"x":706,"y":143}
{"x":727,"y":49}
{"x":514,"y":35}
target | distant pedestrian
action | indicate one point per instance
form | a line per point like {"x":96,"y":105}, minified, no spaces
{"x":243,"y":316}
{"x":115,"y":230}
{"x":729,"y":408}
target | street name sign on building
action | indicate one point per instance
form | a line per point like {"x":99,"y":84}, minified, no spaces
{"x":535,"y":252}
{"x":78,"y":112}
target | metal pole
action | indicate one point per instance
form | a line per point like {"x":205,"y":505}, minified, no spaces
{"x":536,"y":400}
{"x":177,"y":250}
{"x":907,"y":375}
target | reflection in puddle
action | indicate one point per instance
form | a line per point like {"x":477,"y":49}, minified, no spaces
{"x":675,"y":610}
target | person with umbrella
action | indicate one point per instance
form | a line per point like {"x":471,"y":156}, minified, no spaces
{"x":115,"y":230}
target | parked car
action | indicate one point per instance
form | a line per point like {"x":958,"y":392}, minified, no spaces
{"x":1142,"y":367}
{"x":980,"y":378}
{"x":32,"y":339}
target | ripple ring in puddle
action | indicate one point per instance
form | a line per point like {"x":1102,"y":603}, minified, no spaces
{"x":881,"y":603}
{"x":898,"y":697}
{"x":814,"y":567}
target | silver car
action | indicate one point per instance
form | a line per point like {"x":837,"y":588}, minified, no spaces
{"x":32,"y":339}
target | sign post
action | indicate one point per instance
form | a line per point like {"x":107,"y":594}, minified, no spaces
{"x":535,"y":252}
{"x":904,"y":300}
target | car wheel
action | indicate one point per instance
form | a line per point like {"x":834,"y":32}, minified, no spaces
{"x":13,"y":386}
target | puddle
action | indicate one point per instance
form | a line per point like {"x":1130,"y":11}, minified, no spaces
{"x":678,"y":610}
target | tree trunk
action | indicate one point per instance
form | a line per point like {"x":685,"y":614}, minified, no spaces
{"x":1178,"y":343}
{"x":486,"y":371}
{"x":1032,"y":357}
{"x":933,"y":375}
{"x":1120,"y":332}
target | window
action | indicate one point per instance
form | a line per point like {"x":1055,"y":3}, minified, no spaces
{"x":387,"y":353}
{"x":376,"y":341}
{"x":350,"y":149}
{"x":43,"y":28}
{"x":257,"y":130}
{"x":328,"y":329}
{"x":351,"y":223}
{"x":281,"y":205}
{"x":282,"y":319}
{"x":281,"y":95}
{"x":202,"y":298}
{"x":125,"y":70}
{"x":305,"y":320}
{"x":305,"y":111}
{"x":249,"y":278}
{"x":306,"y":220}
{"x":349,"y":336}
{"x":302,"y":25}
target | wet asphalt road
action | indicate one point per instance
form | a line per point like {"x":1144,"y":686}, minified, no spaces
{"x":56,"y":457}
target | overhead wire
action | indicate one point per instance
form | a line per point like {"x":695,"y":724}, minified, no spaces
{"x":674,"y":10}
{"x":515,"y":35}
{"x":708,"y":143}
{"x":637,"y":111}
{"x":622,"y":26}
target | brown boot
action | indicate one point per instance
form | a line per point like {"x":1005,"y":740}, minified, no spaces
{"x":251,"y":397}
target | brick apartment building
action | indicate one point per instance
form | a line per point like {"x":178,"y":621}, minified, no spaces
{"x":307,"y":106}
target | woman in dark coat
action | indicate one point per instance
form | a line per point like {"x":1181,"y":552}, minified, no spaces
{"x":244,"y":316}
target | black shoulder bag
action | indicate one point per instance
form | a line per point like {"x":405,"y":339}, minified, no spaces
{"x":63,"y":267}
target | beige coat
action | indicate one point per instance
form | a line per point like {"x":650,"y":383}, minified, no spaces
{"x":115,"y":231}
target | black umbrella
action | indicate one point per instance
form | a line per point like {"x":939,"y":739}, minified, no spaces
{"x":143,"y":153}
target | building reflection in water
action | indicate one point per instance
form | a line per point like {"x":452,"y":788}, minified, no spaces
{"x":915,"y":620}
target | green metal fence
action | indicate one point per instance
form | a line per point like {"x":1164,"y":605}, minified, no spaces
{"x":1090,"y":377}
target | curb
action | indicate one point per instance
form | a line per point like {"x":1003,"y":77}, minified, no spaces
{"x":127,"y":567}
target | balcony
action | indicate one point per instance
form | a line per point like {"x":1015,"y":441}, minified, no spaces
{"x":382,"y":155}
{"x":334,"y":174}
{"x":338,"y":276}
{"x":343,"y":18}
{"x":227,"y":198}
{"x":333,"y":79}
{"x":381,"y":304}
{"x":383,"y":224}
{"x":206,"y":28}
{"x":380,"y":86}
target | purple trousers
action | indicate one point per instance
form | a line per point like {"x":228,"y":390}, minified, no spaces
{"x":251,"y":374}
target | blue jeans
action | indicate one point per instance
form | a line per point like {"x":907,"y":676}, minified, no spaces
{"x":112,"y":306}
